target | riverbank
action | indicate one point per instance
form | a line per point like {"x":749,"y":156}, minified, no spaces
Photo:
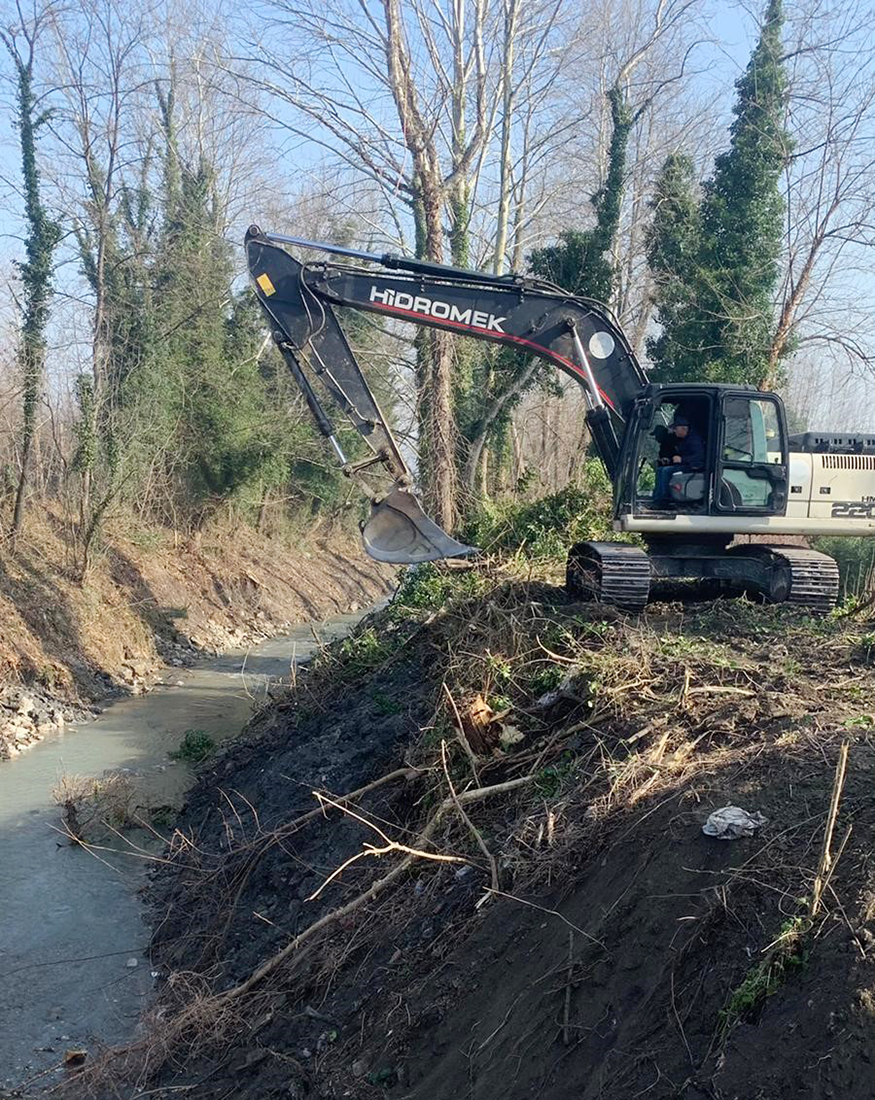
{"x":151,"y":601}
{"x":539,"y":912}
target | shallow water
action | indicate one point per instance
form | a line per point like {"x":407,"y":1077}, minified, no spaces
{"x":71,"y":924}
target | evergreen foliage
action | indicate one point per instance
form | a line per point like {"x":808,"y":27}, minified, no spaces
{"x":717,"y":268}
{"x":673,"y":243}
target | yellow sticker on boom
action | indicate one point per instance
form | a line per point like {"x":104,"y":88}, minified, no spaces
{"x":266,"y":285}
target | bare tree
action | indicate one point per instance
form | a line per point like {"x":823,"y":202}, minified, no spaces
{"x":417,"y":122}
{"x":830,"y":187}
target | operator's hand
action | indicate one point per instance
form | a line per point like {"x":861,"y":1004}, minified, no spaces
{"x":677,"y":460}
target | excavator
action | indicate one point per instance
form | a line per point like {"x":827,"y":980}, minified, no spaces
{"x":756,"y":481}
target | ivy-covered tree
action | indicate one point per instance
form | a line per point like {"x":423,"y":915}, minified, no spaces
{"x":42,"y":237}
{"x":581,"y":262}
{"x":673,"y":244}
{"x":718,"y":311}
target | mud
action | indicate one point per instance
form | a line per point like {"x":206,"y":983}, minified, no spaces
{"x":609,"y":963}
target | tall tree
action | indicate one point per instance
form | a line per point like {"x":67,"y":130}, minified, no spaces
{"x":43,"y":235}
{"x":723,"y":329}
{"x":673,"y":242}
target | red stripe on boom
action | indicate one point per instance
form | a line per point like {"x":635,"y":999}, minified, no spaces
{"x":439,"y":322}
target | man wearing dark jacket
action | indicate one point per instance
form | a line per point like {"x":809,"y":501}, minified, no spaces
{"x":689,"y":455}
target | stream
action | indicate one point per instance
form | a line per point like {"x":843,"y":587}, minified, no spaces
{"x":74,"y":970}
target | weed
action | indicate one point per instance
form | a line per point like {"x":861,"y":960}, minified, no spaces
{"x":549,"y":780}
{"x":864,"y":649}
{"x":546,"y":679}
{"x":430,"y":587}
{"x":761,"y":981}
{"x":862,"y":721}
{"x":196,"y":746}
{"x":501,"y":670}
{"x":355,"y":655}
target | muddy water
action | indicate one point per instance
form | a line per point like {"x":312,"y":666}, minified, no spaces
{"x":73,"y":968}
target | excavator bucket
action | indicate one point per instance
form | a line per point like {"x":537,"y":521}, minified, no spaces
{"x":399,"y":532}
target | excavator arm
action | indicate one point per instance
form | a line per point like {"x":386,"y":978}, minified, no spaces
{"x":577,"y":335}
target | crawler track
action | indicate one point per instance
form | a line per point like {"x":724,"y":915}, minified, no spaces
{"x":609,"y":572}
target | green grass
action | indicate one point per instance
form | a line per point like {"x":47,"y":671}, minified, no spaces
{"x":788,"y":956}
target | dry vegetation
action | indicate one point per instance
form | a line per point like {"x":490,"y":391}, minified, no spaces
{"x":551,"y":748}
{"x":92,"y":807}
{"x":150,"y":592}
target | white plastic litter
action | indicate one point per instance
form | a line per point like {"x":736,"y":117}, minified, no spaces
{"x":732,"y":822}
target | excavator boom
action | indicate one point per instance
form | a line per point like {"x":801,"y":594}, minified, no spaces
{"x":577,"y":335}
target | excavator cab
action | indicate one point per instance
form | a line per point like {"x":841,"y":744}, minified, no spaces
{"x":744,"y":471}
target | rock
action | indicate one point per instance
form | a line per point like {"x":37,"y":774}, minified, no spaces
{"x":359,"y":1067}
{"x":26,"y":705}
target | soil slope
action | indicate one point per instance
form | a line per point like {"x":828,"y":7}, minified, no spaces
{"x":539,"y":912}
{"x":150,"y":600}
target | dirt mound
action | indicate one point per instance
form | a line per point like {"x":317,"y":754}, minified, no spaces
{"x":517,"y":898}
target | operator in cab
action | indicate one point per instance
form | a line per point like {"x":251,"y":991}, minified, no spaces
{"x":688,"y":455}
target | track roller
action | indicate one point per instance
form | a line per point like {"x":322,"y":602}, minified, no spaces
{"x":805,"y":578}
{"x":792,"y":575}
{"x":609,"y":572}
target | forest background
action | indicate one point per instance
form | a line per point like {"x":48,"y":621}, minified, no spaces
{"x":705,"y":168}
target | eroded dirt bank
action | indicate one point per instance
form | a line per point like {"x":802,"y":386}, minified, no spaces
{"x":539,"y":913}
{"x":149,"y":601}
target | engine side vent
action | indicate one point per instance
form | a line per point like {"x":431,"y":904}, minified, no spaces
{"x":848,"y":462}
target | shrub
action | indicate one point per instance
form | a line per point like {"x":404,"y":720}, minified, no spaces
{"x":428,"y":587}
{"x":856,"y":562}
{"x":196,"y":746}
{"x":544,"y":529}
{"x":93,"y":807}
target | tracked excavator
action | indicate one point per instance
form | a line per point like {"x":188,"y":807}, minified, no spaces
{"x":756,"y":478}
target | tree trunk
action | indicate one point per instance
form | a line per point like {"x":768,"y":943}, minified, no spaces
{"x":437,"y":420}
{"x":784,"y":330}
{"x":20,"y":492}
{"x":490,"y":415}
{"x":504,"y":181}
